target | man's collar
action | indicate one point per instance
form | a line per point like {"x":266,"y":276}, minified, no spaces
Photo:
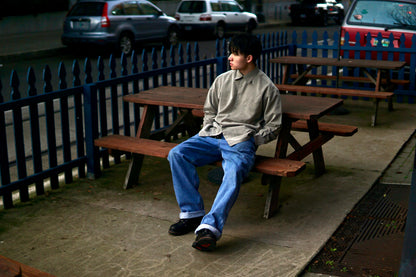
{"x":249,"y":77}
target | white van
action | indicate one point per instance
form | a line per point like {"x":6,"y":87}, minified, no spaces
{"x":214,"y":16}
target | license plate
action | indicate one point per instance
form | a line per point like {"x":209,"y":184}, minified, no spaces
{"x":188,"y":28}
{"x":81,"y":25}
{"x":303,"y":15}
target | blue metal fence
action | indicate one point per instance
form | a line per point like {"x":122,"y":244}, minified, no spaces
{"x":47,"y":138}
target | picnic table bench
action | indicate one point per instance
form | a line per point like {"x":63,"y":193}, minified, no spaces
{"x":298,"y":114}
{"x":376,"y":95}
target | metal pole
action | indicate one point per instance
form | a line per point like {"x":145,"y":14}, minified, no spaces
{"x":408,"y":261}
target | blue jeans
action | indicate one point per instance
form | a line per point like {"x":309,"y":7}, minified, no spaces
{"x":237,"y":161}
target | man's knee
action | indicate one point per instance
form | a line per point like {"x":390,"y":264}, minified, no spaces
{"x":174,"y":153}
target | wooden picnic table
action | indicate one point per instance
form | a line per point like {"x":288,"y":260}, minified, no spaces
{"x":300,"y":113}
{"x":294,"y":108}
{"x":364,"y":65}
{"x":382,"y":84}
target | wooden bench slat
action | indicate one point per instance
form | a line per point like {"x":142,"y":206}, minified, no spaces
{"x":351,"y":79}
{"x":279,"y":167}
{"x":9,"y":268}
{"x":146,"y":147}
{"x":336,"y":91}
{"x":336,"y":129}
{"x":267,"y":165}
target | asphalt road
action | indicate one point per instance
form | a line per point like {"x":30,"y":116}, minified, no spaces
{"x":67,"y":57}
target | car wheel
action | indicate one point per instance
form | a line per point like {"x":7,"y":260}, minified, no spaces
{"x":251,"y":25}
{"x":173,"y":37}
{"x":220,"y":30}
{"x":126,"y":43}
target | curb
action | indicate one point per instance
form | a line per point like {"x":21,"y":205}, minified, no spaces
{"x":33,"y":54}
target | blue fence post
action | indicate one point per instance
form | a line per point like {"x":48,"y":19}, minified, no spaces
{"x":91,"y":131}
{"x":408,"y":260}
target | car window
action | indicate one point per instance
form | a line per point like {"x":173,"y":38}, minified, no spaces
{"x":230,"y":7}
{"x":192,"y":7}
{"x":215,"y":7}
{"x":148,"y":9}
{"x":87,"y":9}
{"x":131,"y":8}
{"x":384,"y":14}
{"x":117,"y":10}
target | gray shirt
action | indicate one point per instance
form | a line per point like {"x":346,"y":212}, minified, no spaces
{"x":241,"y":106}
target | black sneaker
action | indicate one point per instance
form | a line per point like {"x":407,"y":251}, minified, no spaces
{"x":184,"y":226}
{"x":205,"y":240}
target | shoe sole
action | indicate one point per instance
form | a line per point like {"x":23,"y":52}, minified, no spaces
{"x":178,"y":234}
{"x":204,"y":244}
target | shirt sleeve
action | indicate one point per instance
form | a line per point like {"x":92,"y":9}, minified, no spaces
{"x":211,"y":106}
{"x":272,"y":116}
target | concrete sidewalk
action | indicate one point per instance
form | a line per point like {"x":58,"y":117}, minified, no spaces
{"x":95,"y":228}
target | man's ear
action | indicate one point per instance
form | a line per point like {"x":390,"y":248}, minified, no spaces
{"x":249,"y":58}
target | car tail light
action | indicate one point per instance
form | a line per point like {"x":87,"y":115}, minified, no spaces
{"x":105,"y":21}
{"x":177,"y":17}
{"x":205,"y":17}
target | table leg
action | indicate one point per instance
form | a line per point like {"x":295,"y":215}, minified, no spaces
{"x":145,"y":126}
{"x":374,"y":116}
{"x":285,"y":74}
{"x":193,"y":124}
{"x":272,"y":199}
{"x":318,"y":156}
{"x":378,"y":80}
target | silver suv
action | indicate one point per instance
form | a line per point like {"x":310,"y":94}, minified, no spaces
{"x":215,"y":16}
{"x":119,"y":23}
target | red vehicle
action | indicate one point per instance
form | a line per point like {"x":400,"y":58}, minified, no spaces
{"x":385,"y":17}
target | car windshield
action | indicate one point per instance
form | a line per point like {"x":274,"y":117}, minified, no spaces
{"x":87,"y":9}
{"x":385,"y":14}
{"x":192,"y":7}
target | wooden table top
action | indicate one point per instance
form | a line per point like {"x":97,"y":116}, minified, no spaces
{"x":319,"y":61}
{"x":294,"y":107}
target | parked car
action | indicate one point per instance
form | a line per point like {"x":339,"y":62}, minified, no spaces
{"x":120,"y":23}
{"x":387,"y":17}
{"x":319,"y":11}
{"x":214,"y":16}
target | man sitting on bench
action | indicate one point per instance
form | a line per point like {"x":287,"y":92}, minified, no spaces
{"x":242,"y":111}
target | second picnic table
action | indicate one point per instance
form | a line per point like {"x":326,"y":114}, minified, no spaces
{"x":382,"y":84}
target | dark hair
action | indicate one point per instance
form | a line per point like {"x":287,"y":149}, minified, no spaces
{"x":246,"y":44}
